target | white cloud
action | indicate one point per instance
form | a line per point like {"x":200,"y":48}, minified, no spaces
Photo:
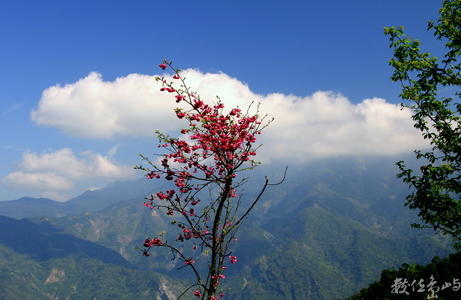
{"x":56,"y":196}
{"x":62,"y":170}
{"x":37,"y":181}
{"x":327,"y":124}
{"x":91,"y":107}
{"x":65,"y":163}
{"x":320,"y":125}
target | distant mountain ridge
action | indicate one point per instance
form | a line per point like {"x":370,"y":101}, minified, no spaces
{"x":29,"y":207}
{"x":89,"y":201}
{"x":325,"y":233}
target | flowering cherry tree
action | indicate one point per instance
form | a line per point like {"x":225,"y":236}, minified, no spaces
{"x":203,"y":165}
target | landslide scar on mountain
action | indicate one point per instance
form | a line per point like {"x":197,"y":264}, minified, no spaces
{"x":55,"y":276}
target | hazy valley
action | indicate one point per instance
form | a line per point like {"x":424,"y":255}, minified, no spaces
{"x":326,"y":232}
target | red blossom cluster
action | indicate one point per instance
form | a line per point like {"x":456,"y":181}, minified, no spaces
{"x":216,"y":146}
{"x":233,"y":259}
{"x":226,"y":138}
{"x":152,"y":242}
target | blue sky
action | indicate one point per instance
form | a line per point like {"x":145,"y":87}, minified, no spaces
{"x":319,"y":67}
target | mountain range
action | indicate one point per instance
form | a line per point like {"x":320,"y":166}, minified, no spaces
{"x":325,"y":233}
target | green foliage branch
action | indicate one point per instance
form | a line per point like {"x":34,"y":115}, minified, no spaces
{"x":438,"y":184}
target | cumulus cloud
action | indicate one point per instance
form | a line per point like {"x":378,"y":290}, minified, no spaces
{"x":322,"y":124}
{"x":61,"y":170}
{"x":327,"y":124}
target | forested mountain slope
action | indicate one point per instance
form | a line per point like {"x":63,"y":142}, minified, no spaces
{"x":327,"y":231}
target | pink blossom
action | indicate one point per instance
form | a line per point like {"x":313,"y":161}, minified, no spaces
{"x":233,"y":259}
{"x":197,"y":294}
{"x":214,"y":147}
